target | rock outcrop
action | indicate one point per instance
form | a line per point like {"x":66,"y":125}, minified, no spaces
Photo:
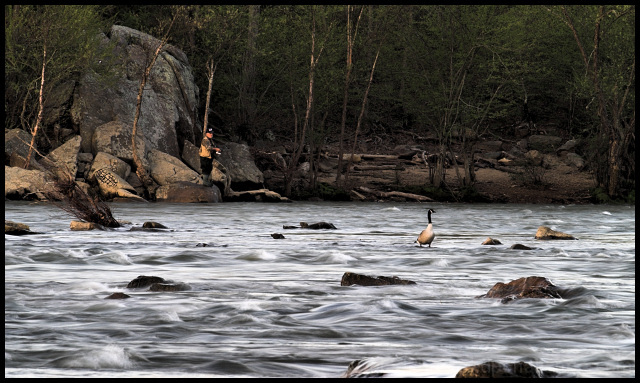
{"x":169,"y":98}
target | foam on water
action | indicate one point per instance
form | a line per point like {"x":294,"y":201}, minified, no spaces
{"x":105,"y":357}
{"x":260,"y":307}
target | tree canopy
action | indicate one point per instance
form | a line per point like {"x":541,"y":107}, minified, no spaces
{"x":439,"y":69}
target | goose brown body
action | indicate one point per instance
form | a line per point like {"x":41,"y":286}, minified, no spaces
{"x":427,"y":235}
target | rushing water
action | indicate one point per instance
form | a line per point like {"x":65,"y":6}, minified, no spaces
{"x":265,"y":307}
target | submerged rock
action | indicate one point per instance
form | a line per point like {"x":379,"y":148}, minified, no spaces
{"x":349,"y":279}
{"x":118,"y":296}
{"x":169,"y":287}
{"x":525,"y":287}
{"x":317,"y":225}
{"x":491,"y":241}
{"x":144,"y":281}
{"x":154,"y":225}
{"x":518,"y":246}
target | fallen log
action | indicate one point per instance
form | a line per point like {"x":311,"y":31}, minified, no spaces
{"x":260,"y":195}
{"x":380,"y":194}
{"x":379,"y":167}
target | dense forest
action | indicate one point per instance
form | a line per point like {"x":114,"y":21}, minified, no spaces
{"x":310,"y":74}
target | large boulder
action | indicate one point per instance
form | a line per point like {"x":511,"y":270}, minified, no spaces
{"x":544,"y":143}
{"x":191,"y":156}
{"x":220,"y":177}
{"x":104,"y":160}
{"x":65,"y":158}
{"x":17,"y":140}
{"x":187,"y":192}
{"x":112,"y":185}
{"x":20,"y":184}
{"x":169,"y":101}
{"x":114,"y":138}
{"x":241,"y":167}
{"x":166,"y":169}
{"x":575,"y":160}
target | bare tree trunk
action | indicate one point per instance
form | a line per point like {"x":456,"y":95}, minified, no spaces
{"x":248,"y":89}
{"x":293,"y":162}
{"x":211,"y":69}
{"x":364,"y":104}
{"x":350,"y":42}
{"x":617,"y":133}
{"x":40,"y":107}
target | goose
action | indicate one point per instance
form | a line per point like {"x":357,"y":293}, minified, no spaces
{"x":427,"y":235}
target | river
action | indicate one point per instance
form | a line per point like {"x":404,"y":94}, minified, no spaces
{"x":260,"y":307}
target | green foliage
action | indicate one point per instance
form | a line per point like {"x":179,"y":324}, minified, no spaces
{"x":70,"y":35}
{"x":439,"y":66}
{"x":600,"y":195}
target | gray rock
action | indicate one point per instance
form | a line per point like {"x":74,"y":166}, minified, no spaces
{"x":349,"y":279}
{"x":518,"y":246}
{"x":105,"y":160}
{"x":112,"y":185}
{"x":191,"y":156}
{"x":544,"y":143}
{"x":526,"y":287}
{"x":575,"y":160}
{"x":241,"y":167}
{"x":168,"y":116}
{"x":144,"y":281}
{"x":22,"y":184}
{"x":166,"y":169}
{"x":118,"y":296}
{"x":65,"y":158}
{"x":17,"y":140}
{"x":114,"y":138}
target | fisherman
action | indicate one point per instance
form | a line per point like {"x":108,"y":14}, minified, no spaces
{"x":207,"y":148}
